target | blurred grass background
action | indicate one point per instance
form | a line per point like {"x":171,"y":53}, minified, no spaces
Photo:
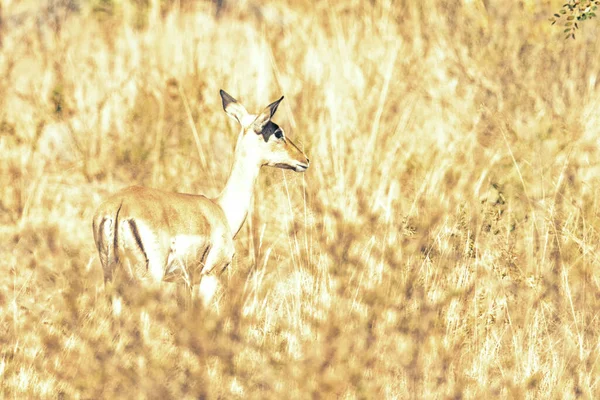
{"x":443,"y":243}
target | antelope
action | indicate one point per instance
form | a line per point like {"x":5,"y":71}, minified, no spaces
{"x":165,"y":236}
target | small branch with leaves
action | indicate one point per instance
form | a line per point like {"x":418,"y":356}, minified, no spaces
{"x":572,"y":12}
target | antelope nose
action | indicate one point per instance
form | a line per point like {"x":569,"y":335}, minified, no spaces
{"x":307,"y":160}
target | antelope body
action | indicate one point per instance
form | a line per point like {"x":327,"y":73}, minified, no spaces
{"x":164,"y":236}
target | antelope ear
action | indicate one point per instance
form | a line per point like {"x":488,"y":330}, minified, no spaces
{"x":265,"y":116}
{"x":232,"y":107}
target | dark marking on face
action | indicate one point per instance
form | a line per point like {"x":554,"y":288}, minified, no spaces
{"x":284,"y":166}
{"x":271,"y":129}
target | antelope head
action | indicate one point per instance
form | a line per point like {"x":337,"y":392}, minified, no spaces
{"x":261,"y":139}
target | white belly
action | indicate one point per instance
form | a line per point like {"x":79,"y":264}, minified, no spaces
{"x":185,"y":256}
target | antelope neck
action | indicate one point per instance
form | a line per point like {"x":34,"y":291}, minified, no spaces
{"x":236,"y":197}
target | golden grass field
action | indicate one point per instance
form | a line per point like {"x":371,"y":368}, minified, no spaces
{"x":444,"y":242}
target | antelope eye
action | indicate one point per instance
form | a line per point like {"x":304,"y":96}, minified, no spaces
{"x":278,"y":134}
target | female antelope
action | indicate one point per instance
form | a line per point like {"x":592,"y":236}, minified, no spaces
{"x":164,"y":236}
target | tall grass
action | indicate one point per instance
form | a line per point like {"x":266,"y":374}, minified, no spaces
{"x":443,"y":244}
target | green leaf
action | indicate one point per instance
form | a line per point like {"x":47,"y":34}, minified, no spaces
{"x":567,"y":30}
{"x":570,"y":17}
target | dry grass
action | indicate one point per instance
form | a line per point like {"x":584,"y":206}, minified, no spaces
{"x":443,"y":244}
